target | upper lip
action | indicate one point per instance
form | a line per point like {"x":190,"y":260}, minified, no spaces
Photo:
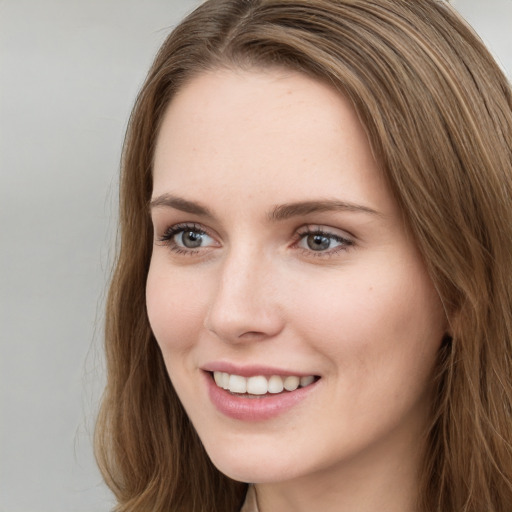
{"x":250,"y":370}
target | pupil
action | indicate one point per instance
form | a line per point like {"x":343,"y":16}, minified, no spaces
{"x":191,"y":239}
{"x":318,"y":242}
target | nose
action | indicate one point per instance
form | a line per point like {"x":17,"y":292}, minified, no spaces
{"x":245,"y":306}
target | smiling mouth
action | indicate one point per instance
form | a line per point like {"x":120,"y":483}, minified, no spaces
{"x":259,"y":385}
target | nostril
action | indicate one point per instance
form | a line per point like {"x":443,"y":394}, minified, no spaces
{"x":251,"y":335}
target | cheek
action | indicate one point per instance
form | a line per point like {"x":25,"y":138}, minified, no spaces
{"x":175,"y":309}
{"x":374,"y":323}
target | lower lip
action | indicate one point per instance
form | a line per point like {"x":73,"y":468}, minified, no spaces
{"x":255,"y":409}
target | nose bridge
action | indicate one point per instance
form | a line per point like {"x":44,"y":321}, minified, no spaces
{"x":243,"y":304}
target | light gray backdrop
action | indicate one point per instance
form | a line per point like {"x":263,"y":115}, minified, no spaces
{"x":69,"y":72}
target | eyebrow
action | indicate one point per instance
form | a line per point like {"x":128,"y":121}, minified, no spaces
{"x":285,"y":211}
{"x":178,"y":203}
{"x":278,"y":213}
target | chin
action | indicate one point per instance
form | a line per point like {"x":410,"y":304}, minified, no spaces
{"x":243,"y":467}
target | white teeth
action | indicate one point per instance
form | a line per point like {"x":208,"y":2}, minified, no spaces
{"x":257,"y":385}
{"x":237,"y":384}
{"x":291,"y":383}
{"x":260,"y":385}
{"x":217,"y":376}
{"x":275,"y":384}
{"x":306,"y":381}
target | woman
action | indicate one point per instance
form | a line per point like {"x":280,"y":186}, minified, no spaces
{"x":313,"y":287}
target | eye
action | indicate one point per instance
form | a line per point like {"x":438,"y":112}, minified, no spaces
{"x":321,"y":241}
{"x":191,"y":239}
{"x":186,"y":238}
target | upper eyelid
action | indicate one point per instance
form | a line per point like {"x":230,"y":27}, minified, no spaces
{"x":326,"y":230}
{"x":304,"y":229}
{"x":183,"y":226}
{"x":326,"y":233}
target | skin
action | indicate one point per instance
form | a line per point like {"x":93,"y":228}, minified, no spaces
{"x":361,"y":313}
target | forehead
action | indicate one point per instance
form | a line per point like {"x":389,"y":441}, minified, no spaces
{"x":271,"y":133}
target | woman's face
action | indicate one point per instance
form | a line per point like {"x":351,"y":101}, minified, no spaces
{"x":281,"y":260}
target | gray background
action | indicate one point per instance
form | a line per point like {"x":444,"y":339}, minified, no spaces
{"x":69,"y":72}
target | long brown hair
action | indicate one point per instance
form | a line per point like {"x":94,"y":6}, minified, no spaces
{"x":438,"y":114}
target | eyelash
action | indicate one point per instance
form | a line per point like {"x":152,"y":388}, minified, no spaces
{"x":345,"y":243}
{"x":168,"y":237}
